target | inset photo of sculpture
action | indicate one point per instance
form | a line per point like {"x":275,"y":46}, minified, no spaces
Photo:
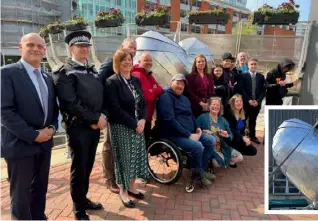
{"x":291,"y":160}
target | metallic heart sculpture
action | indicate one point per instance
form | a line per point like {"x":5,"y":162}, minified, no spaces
{"x":168,"y":58}
{"x":193,"y":47}
{"x":301,"y":168}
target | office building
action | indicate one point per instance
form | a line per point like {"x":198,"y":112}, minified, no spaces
{"x":89,"y":9}
{"x":19,"y":17}
{"x":180,"y":8}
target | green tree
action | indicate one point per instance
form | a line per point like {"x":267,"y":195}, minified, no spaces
{"x":247,"y":28}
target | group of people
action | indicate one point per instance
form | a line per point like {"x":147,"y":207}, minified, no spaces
{"x":204,"y":114}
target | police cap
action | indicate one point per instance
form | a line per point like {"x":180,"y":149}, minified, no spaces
{"x":78,"y":38}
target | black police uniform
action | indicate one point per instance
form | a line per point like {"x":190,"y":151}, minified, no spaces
{"x":80,"y":94}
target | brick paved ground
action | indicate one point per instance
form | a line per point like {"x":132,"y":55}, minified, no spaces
{"x":236,"y":194}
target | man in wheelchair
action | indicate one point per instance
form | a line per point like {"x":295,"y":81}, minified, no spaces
{"x":178,"y":124}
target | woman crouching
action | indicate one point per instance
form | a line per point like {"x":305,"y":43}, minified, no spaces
{"x":127,"y":117}
{"x":214,"y":123}
{"x":235,"y":115}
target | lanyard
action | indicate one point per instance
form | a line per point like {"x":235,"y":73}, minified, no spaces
{"x":133,"y":91}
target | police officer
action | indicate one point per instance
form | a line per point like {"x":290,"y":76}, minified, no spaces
{"x":80,"y":94}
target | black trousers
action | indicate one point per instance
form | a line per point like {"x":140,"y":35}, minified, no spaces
{"x":246,"y":150}
{"x":252,"y":113}
{"x":28,"y":177}
{"x":147,"y":133}
{"x":83,"y":141}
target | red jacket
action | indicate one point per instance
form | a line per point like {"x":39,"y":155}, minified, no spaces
{"x":150,"y":88}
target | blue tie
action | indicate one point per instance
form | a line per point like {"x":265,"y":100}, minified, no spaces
{"x":43,"y":91}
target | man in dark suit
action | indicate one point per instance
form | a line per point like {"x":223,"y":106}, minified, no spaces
{"x":253,"y":92}
{"x":29,"y":119}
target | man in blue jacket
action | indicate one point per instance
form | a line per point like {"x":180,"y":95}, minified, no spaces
{"x":177,"y":123}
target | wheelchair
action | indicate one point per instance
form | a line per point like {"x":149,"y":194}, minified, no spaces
{"x":166,"y":161}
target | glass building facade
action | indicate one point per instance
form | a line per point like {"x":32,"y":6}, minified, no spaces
{"x":89,"y":9}
{"x":241,"y":3}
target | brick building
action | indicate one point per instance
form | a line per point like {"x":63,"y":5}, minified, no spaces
{"x":180,"y":8}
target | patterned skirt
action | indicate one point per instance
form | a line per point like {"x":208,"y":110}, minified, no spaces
{"x":129,"y":150}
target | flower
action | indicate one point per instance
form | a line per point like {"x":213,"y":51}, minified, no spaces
{"x":111,"y":14}
{"x":154,"y":11}
{"x":217,"y":10}
{"x":285,"y":8}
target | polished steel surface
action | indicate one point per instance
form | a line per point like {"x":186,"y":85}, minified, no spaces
{"x":167,"y":55}
{"x":301,"y":168}
{"x":194,"y":46}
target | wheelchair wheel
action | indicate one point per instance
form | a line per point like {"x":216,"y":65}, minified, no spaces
{"x":164,"y":162}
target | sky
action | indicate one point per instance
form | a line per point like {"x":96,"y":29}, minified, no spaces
{"x":304,"y":6}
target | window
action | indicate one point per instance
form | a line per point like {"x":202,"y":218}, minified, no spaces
{"x":186,"y":2}
{"x":118,"y":2}
{"x":184,"y":27}
{"x":211,"y":31}
{"x":281,"y":185}
{"x":165,"y":26}
{"x":90,"y":10}
{"x":128,"y":3}
{"x":196,"y":29}
{"x":183,"y":13}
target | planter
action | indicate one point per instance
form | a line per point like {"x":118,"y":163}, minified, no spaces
{"x":275,"y":19}
{"x":220,"y":19}
{"x":56,"y":29}
{"x":75,"y":27}
{"x":45,"y":34}
{"x":144,"y":21}
{"x":108,"y":23}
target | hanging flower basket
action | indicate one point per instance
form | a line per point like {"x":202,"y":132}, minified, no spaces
{"x":44,"y":31}
{"x":76,"y":24}
{"x":144,"y":21}
{"x":276,"y":19}
{"x":160,"y":15}
{"x":113,"y":18}
{"x":213,"y":16}
{"x":56,"y":27}
{"x":285,"y":14}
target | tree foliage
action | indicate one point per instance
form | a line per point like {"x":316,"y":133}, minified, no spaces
{"x":247,"y":29}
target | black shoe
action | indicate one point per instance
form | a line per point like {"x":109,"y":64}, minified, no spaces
{"x":136,"y":195}
{"x":129,"y":204}
{"x":93,"y":206}
{"x":82,"y":217}
{"x":255,"y":140}
{"x":233,"y":165}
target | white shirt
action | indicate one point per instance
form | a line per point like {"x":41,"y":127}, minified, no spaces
{"x":252,"y":74}
{"x":73,"y":59}
{"x":29,"y":68}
